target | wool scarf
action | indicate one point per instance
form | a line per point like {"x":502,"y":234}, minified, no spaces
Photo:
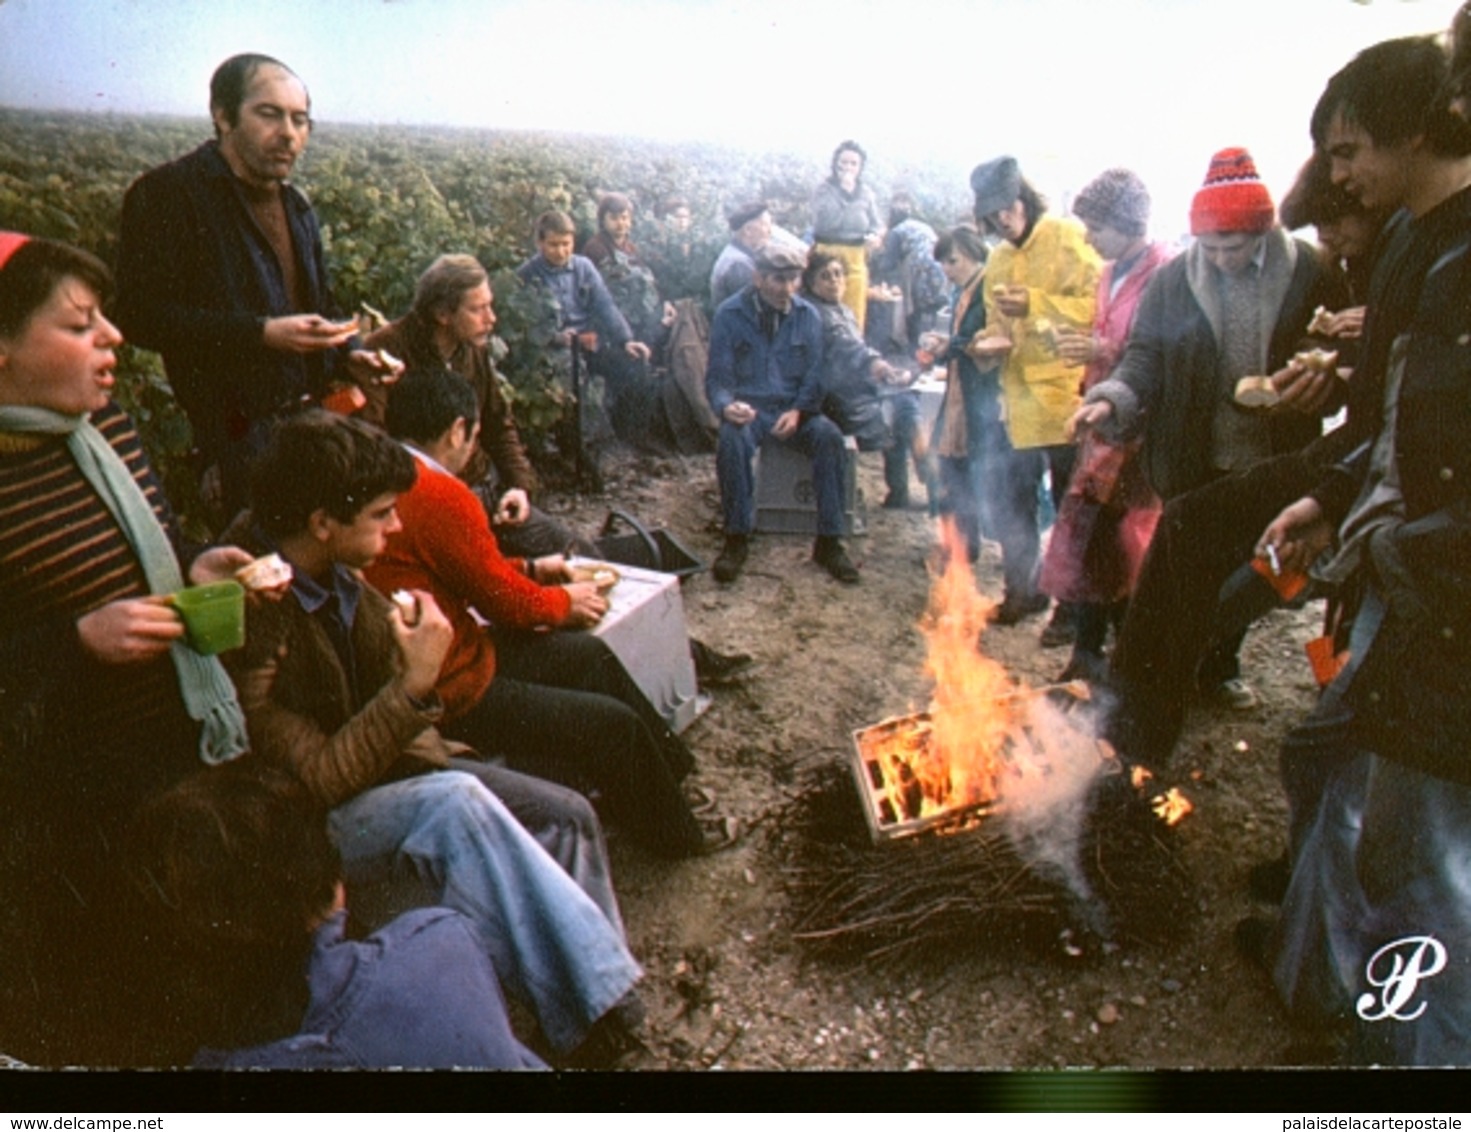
{"x":209,"y":696}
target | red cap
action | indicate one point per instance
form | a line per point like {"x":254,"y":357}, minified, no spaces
{"x":9,"y":242}
{"x":1233,"y":198}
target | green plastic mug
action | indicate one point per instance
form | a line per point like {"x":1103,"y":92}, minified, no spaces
{"x":214,"y":616}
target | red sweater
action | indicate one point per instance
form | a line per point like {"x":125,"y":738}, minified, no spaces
{"x":447,"y":548}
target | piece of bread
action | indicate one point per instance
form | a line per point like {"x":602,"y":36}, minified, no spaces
{"x":408,"y":606}
{"x":600,"y":574}
{"x":1256,"y":393}
{"x":1319,"y":361}
{"x":264,"y":573}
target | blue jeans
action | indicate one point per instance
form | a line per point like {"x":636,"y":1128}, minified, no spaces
{"x":563,"y":823}
{"x":1381,"y":859}
{"x":901,"y":411}
{"x":817,"y":438}
{"x":959,"y":477}
{"x":1007,"y":480}
{"x":444,"y":839}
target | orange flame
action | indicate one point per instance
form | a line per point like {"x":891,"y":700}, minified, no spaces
{"x":951,"y":762}
{"x":1169,"y":806}
{"x":971,"y":718}
{"x":982,"y":740}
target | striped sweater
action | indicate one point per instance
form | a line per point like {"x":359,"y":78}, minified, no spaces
{"x":108,"y":731}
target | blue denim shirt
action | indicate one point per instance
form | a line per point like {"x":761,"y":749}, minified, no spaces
{"x":785,"y":373}
{"x":419,"y":993}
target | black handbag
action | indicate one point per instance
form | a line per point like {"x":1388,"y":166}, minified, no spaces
{"x":646,"y":549}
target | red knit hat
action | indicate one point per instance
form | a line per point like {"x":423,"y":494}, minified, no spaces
{"x":10,"y":242}
{"x":1233,"y":198}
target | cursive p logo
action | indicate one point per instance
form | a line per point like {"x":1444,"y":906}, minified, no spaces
{"x":1397,"y":970}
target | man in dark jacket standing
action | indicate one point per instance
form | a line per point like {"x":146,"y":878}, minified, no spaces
{"x":1375,"y":920}
{"x":765,"y":379}
{"x":221,"y":270}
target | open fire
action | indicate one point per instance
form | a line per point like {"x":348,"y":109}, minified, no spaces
{"x":983,"y":745}
{"x":1054,"y":840}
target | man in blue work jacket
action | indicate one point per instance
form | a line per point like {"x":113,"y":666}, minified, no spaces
{"x":765,"y":379}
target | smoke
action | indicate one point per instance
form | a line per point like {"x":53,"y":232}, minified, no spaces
{"x":1046,"y":793}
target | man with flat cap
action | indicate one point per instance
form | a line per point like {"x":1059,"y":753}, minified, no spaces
{"x":765,"y":379}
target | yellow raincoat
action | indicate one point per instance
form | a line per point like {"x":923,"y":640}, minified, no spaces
{"x":1060,"y":272}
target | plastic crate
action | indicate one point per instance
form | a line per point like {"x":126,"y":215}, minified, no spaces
{"x":786,"y":502}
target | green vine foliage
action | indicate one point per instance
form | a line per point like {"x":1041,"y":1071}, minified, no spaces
{"x":390,"y":201}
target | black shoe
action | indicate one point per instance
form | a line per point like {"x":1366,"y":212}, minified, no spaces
{"x":615,"y":1040}
{"x":896,"y":500}
{"x":1267,"y":880}
{"x":1084,"y":665}
{"x":1013,"y":609}
{"x":715,"y":668}
{"x":732,"y":558}
{"x":828,"y":553}
{"x":1062,"y":629}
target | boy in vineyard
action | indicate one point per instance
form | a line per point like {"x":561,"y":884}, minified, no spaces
{"x":589,"y":323}
{"x":557,"y":704}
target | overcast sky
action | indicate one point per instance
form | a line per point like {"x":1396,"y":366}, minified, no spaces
{"x":1069,"y":86}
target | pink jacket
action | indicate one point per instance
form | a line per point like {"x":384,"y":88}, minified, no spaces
{"x":1113,"y":316}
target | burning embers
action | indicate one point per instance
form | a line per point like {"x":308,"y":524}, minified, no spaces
{"x":1169,"y":806}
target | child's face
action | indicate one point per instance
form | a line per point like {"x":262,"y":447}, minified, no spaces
{"x":618,"y":225}
{"x":63,"y":357}
{"x":556,"y":248}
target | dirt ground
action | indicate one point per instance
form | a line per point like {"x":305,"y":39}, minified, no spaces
{"x":727,"y":984}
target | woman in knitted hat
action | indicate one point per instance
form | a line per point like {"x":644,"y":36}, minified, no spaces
{"x":1237,"y":303}
{"x":1108,"y":515}
{"x":1041,"y":278}
{"x":846,"y":223}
